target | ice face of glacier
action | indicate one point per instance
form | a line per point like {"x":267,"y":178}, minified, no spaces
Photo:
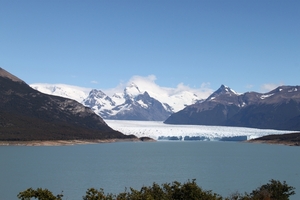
{"x":160,"y":131}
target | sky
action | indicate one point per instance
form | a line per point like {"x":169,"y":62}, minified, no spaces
{"x":248,"y":45}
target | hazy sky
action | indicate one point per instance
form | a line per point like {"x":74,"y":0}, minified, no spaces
{"x":248,"y":45}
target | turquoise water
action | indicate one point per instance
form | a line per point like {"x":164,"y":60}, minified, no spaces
{"x":224,"y":167}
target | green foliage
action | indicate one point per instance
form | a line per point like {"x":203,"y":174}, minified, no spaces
{"x":274,"y":190}
{"x":93,"y":194}
{"x":39,"y":193}
{"x":189,"y":190}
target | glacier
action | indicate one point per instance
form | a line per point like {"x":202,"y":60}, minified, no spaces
{"x":159,"y":131}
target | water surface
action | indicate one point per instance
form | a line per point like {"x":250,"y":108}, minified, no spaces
{"x":224,"y":167}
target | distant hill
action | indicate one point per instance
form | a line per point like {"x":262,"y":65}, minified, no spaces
{"x":292,"y":139}
{"x":277,"y":109}
{"x":27,"y":114}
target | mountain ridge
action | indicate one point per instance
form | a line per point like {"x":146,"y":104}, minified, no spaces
{"x":223,"y":107}
{"x":277,"y":109}
{"x":120,"y":104}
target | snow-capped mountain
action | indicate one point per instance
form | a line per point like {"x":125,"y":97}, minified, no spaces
{"x":99,"y":102}
{"x":62,"y":90}
{"x":141,"y":107}
{"x":134,"y":103}
{"x":277,"y":109}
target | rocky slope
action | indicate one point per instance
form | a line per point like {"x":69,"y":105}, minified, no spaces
{"x":27,"y":114}
{"x":277,"y":109}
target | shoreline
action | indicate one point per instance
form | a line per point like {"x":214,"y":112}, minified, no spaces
{"x":99,"y":141}
{"x":277,"y":142}
{"x":65,"y":142}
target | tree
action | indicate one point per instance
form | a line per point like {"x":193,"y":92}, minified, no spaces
{"x":93,"y":194}
{"x":39,"y":193}
{"x":275,"y":190}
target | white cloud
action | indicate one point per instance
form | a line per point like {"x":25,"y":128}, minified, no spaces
{"x":176,"y":97}
{"x":267,"y":87}
{"x":147,"y":83}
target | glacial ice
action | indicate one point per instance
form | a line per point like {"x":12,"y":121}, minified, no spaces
{"x":160,"y":131}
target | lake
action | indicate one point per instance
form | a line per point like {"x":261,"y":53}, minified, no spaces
{"x":224,"y":167}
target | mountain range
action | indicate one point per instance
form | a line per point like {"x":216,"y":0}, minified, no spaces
{"x":277,"y":109}
{"x":133,"y":103}
{"x":27,"y":114}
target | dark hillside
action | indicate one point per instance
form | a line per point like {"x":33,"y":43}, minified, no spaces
{"x":26,"y":114}
{"x":281,"y":116}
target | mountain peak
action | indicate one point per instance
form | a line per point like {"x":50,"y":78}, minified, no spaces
{"x":221,"y":92}
{"x":132,"y":90}
{"x":133,"y":86}
{"x":6,"y":74}
{"x":226,"y":89}
{"x":97,"y":93}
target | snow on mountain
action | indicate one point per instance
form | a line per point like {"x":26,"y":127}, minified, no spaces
{"x":100,"y":103}
{"x":229,"y":90}
{"x":127,"y":98}
{"x":131,"y":91}
{"x":277,"y":109}
{"x":223,"y":91}
{"x":63,"y":90}
{"x":160,"y":131}
{"x":177,"y":98}
{"x":172,"y":99}
{"x":266,"y":96}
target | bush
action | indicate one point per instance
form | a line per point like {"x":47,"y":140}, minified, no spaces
{"x":189,"y":190}
{"x":41,"y":194}
{"x":275,"y":190}
{"x":93,"y":194}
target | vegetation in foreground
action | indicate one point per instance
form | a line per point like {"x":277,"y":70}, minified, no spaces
{"x":274,"y":190}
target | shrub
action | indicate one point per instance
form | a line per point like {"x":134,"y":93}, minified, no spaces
{"x":189,"y":190}
{"x":275,"y":190}
{"x":39,"y":193}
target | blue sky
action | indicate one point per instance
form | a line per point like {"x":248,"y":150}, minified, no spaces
{"x":248,"y":45}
